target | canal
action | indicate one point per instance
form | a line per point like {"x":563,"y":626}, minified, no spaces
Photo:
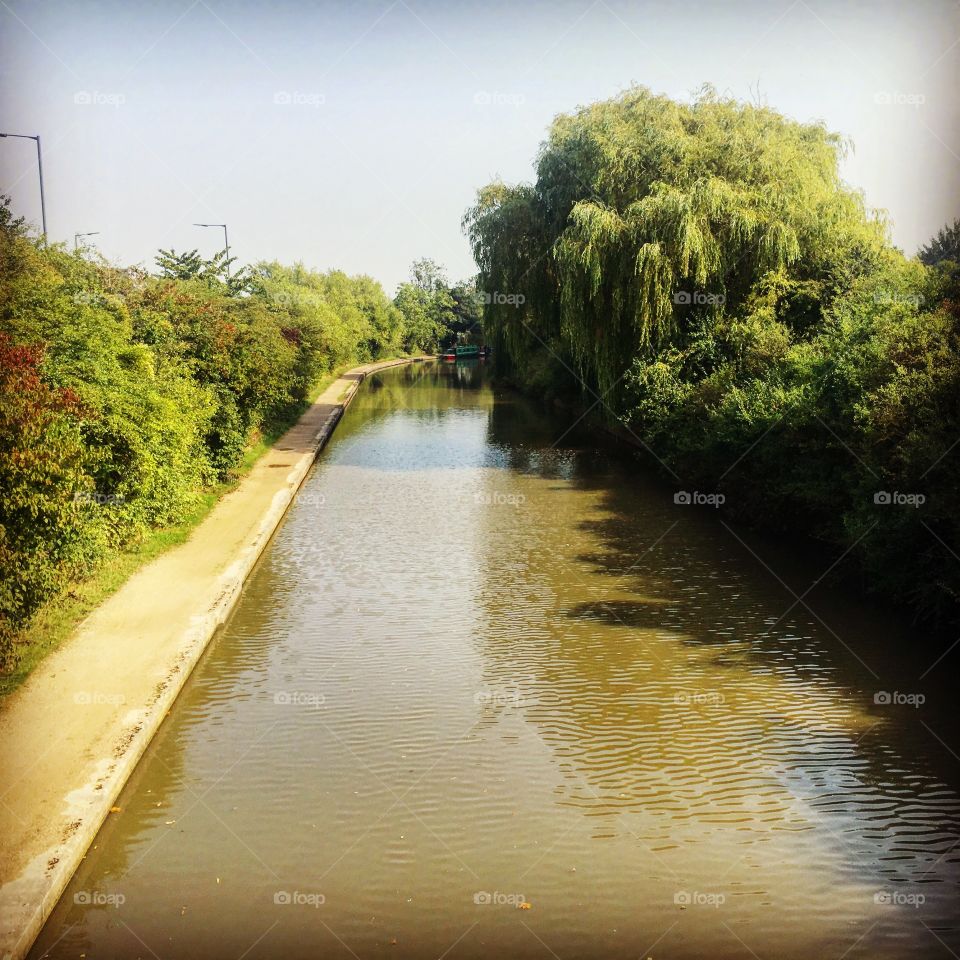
{"x":492,"y":692}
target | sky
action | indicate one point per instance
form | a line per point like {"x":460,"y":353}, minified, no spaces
{"x":354,"y":135}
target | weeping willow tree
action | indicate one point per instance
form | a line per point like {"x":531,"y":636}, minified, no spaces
{"x":703,"y":270}
{"x":649,"y":215}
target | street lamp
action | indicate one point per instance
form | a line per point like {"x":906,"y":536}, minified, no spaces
{"x":77,"y":236}
{"x":43,"y":205}
{"x":226,"y":243}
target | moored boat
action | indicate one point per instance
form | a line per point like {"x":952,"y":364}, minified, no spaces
{"x":464,"y":351}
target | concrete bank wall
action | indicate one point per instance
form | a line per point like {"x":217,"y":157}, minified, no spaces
{"x":74,"y":732}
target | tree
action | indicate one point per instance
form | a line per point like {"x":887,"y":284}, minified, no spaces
{"x":180,"y":266}
{"x":944,"y":246}
{"x":648,"y":215}
{"x":701,"y":273}
{"x":14,"y":226}
{"x":191,"y":266}
{"x":427,"y":307}
{"x":467,"y":325}
{"x":428,"y":275}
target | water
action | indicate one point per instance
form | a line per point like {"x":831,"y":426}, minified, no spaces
{"x":488,"y":661}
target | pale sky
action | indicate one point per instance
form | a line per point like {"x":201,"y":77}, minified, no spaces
{"x":354,"y":134}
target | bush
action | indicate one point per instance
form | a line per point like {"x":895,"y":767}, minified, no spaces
{"x":124,"y":397}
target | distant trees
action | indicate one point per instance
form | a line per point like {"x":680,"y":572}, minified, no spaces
{"x":428,"y":276}
{"x":183,"y":266}
{"x":945,"y":246}
{"x":435,"y":313}
{"x":189,"y":265}
{"x":467,"y":323}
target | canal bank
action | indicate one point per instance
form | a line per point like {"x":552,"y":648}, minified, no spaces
{"x":72,"y":734}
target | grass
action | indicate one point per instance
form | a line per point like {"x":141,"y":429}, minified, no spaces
{"x":59,"y":618}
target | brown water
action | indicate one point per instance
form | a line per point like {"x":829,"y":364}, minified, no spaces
{"x":487,"y":661}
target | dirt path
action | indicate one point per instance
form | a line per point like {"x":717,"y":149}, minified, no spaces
{"x":73,"y":733}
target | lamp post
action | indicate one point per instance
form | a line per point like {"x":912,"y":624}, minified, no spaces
{"x":77,"y":236}
{"x":43,"y":204}
{"x":226,"y":244}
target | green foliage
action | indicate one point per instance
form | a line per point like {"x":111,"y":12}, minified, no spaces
{"x":944,"y":246}
{"x":427,"y":306}
{"x":215,"y":271}
{"x":704,"y":270}
{"x":642,"y":202}
{"x":466,"y":326}
{"x":180,"y":266}
{"x":125,"y":397}
{"x":42,"y":459}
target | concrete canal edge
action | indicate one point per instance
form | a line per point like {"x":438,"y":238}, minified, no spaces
{"x":72,"y":735}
